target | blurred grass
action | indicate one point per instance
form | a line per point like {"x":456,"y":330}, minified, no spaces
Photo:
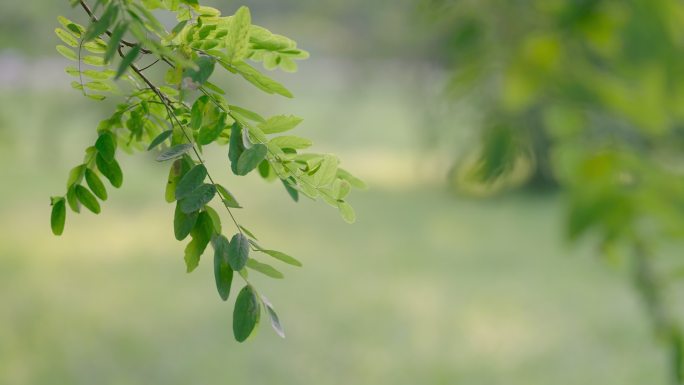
{"x":424,"y":289}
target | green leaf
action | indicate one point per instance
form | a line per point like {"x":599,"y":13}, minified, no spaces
{"x":347,"y":212}
{"x":191,"y":181}
{"x":238,"y":35}
{"x":205,"y":67}
{"x":58,"y":216}
{"x":260,"y":80}
{"x":66,"y":37}
{"x":249,"y":233}
{"x":294,"y":142}
{"x":354,"y":181}
{"x":174,"y":152}
{"x":280,"y":123}
{"x":102,"y":25}
{"x":327,"y":171}
{"x":198,"y":198}
{"x":209,"y":133}
{"x":87,"y":199}
{"x":183,"y":223}
{"x":251,"y":115}
{"x":76,"y":175}
{"x":67,"y":52}
{"x":215,"y":218}
{"x":115,"y":41}
{"x":227,"y":197}
{"x":106,"y":146}
{"x":222,"y":271}
{"x":201,"y":235}
{"x":264,"y":269}
{"x":282,"y":257}
{"x":127,"y":61}
{"x":238,"y":253}
{"x":294,"y":194}
{"x":160,"y":139}
{"x":275,"y":321}
{"x":178,"y":169}
{"x":236,"y":147}
{"x":72,"y":200}
{"x":110,"y":170}
{"x":251,"y":158}
{"x":95,"y":184}
{"x":246,"y":313}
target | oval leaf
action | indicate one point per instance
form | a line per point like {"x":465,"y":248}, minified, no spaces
{"x":191,"y":181}
{"x":222,"y":271}
{"x":198,"y":198}
{"x":238,"y":252}
{"x":106,"y":146}
{"x":183,"y":223}
{"x":110,"y":170}
{"x":87,"y":199}
{"x":251,"y":158}
{"x":58,"y":217}
{"x":245,"y":314}
{"x":95,"y":184}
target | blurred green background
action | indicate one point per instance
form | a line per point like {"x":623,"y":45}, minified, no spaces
{"x":427,"y":288}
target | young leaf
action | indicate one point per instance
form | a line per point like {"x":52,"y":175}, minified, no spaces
{"x":282,"y":257}
{"x":95,"y":184}
{"x":87,"y":199}
{"x":258,"y":79}
{"x":127,"y":61}
{"x":110,"y":170}
{"x":183,"y":223}
{"x":191,"y":181}
{"x":347,"y":212}
{"x":264,"y":269}
{"x":174,"y":152}
{"x":275,"y":321}
{"x":246,"y":313}
{"x":222,"y":271}
{"x":236,"y":147}
{"x":160,"y":139}
{"x":238,"y":35}
{"x":327,"y":171}
{"x":198,"y":198}
{"x":58,"y":216}
{"x":251,"y":158}
{"x":280,"y":123}
{"x":238,"y":253}
{"x":294,"y":142}
{"x":67,"y":52}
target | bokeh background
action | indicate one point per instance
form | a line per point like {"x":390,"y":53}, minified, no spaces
{"x":428,"y":287}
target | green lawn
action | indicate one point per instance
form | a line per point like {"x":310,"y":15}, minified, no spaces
{"x":426,"y":288}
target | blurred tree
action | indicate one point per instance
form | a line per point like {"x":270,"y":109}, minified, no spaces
{"x":589,"y":95}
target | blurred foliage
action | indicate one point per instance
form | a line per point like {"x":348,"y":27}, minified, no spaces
{"x":591,"y":95}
